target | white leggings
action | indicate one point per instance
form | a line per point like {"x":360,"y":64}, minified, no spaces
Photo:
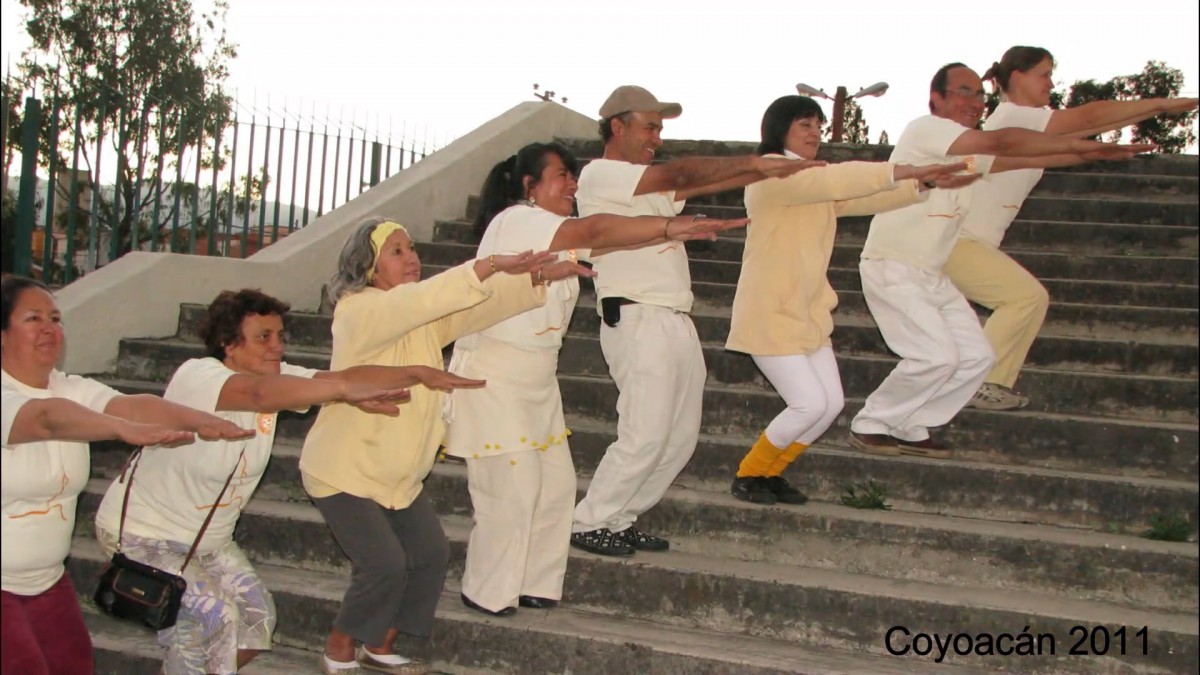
{"x":811,"y":387}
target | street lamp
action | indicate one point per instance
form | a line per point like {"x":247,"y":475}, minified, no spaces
{"x":548,"y":95}
{"x":839,"y":101}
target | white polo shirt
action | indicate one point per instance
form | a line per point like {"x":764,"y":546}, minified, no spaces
{"x":39,"y":485}
{"x":652,"y":275}
{"x":924,"y":233}
{"x":996,"y":198}
{"x":173,"y":488}
{"x":530,"y":228}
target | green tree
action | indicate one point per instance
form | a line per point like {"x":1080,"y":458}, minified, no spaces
{"x":1172,"y":133}
{"x":854,"y":125}
{"x":150,"y":73}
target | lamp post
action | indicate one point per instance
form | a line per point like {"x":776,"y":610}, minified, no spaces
{"x":547,"y":95}
{"x":839,"y":101}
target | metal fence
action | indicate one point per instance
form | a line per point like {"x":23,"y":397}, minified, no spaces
{"x":86,"y":194}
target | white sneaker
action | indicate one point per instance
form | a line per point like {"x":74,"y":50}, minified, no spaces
{"x":993,"y":396}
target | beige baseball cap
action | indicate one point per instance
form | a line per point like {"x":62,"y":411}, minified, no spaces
{"x":629,"y":98}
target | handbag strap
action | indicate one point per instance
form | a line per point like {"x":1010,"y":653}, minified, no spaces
{"x":131,"y":467}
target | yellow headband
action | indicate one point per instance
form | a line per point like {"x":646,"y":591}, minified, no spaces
{"x":379,"y":235}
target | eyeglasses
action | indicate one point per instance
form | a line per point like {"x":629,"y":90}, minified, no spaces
{"x":966,"y":92}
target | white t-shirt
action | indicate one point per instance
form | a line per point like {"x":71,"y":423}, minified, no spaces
{"x":39,"y":484}
{"x":996,"y":198}
{"x":173,"y":488}
{"x":529,"y":228}
{"x":924,"y":233}
{"x":653,"y":275}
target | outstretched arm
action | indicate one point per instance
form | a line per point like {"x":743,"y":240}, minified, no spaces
{"x":603,"y":231}
{"x":1014,"y":142}
{"x":1111,"y":153}
{"x":65,"y":420}
{"x":1101,"y":116}
{"x":693,"y":176}
{"x":150,"y":409}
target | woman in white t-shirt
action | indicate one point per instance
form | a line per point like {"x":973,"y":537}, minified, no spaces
{"x":48,"y":418}
{"x":227,"y":614}
{"x":977,"y":267}
{"x":512,"y":433}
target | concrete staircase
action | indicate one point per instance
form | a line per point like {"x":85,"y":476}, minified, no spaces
{"x":1036,"y":527}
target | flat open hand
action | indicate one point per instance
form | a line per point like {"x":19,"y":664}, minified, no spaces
{"x":1178,"y":106}
{"x":563,"y":269}
{"x":521,"y":263}
{"x":775,"y":167}
{"x":135,"y":433}
{"x":217,"y":429}
{"x":928,"y":172}
{"x":1111,"y":153}
{"x":687,"y":228}
{"x":440,"y":380}
{"x":954,"y":181}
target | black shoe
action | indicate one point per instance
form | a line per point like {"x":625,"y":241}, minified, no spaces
{"x":534,"y":602}
{"x":784,"y":492}
{"x":602,"y":542}
{"x":642,"y":541}
{"x":507,"y":611}
{"x":753,"y":489}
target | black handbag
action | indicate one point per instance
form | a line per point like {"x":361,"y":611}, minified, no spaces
{"x":139,"y":592}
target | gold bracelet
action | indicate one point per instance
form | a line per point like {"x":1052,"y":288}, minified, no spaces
{"x":492,"y":263}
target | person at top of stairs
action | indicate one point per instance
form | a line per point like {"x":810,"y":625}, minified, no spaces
{"x":782,"y":310}
{"x":922,"y":316}
{"x":46,"y":422}
{"x":645,"y":295}
{"x":512,"y":433}
{"x":365,"y":474}
{"x":988,"y":276}
{"x":155,"y":512}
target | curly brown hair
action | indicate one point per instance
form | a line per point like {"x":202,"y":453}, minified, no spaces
{"x":222,"y":326}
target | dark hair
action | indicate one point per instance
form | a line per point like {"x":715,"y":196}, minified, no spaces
{"x":222,"y":326}
{"x":778,"y":118}
{"x":11,"y":288}
{"x":938,"y":83}
{"x":505,"y":183}
{"x":1017,"y":58}
{"x":606,"y":132}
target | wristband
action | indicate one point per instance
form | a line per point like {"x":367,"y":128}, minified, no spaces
{"x":492,"y":263}
{"x":666,"y":226}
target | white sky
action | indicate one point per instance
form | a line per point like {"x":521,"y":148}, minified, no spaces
{"x":449,"y":65}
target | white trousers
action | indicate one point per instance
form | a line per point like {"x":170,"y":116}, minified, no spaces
{"x":654,"y":356}
{"x":944,"y":355}
{"x":523,"y":502}
{"x":812,"y":389}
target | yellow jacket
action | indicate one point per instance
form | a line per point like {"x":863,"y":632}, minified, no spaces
{"x":382,"y":458}
{"x":784,"y":302}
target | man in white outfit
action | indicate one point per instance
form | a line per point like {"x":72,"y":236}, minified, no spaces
{"x":923,"y":317}
{"x":647,"y":337}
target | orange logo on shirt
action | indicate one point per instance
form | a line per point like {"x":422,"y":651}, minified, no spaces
{"x":265,"y":422}
{"x":51,"y":503}
{"x":243,"y":463}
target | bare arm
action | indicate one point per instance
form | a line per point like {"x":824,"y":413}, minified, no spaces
{"x":1110,"y":153}
{"x":149,"y":409}
{"x":603,"y":231}
{"x":1016,"y":142}
{"x":692,"y":176}
{"x":65,"y":420}
{"x":1100,"y":116}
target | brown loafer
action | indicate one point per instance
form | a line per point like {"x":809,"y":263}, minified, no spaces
{"x":928,"y":448}
{"x":875,"y":444}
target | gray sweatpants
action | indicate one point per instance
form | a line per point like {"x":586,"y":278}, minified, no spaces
{"x":399,"y":559}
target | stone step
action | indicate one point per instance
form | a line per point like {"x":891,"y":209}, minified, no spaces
{"x":1034,"y":478}
{"x":699,"y":591}
{"x":1133,"y":397}
{"x":1160,"y":165}
{"x":1155,"y":324}
{"x":844,"y":276}
{"x":902,"y":545}
{"x":568,"y":640}
{"x":1121,"y":263}
{"x":855,"y":335}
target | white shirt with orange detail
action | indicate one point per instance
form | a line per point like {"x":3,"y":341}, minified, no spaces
{"x":652,"y":275}
{"x":996,"y":198}
{"x":924,"y":233}
{"x":40,"y":483}
{"x":173,"y":488}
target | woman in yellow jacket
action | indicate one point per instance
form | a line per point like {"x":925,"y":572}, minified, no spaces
{"x":782,"y":311}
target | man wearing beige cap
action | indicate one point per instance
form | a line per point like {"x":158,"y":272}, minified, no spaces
{"x":645,"y":295}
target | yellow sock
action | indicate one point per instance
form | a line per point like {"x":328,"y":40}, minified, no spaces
{"x":789,"y":455}
{"x":758,"y":461}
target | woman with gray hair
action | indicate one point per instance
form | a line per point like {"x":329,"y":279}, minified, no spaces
{"x":365,"y":473}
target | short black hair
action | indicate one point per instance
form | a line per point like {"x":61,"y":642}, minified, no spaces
{"x":778,"y":118}
{"x":11,"y":288}
{"x":222,"y":324}
{"x":938,"y":83}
